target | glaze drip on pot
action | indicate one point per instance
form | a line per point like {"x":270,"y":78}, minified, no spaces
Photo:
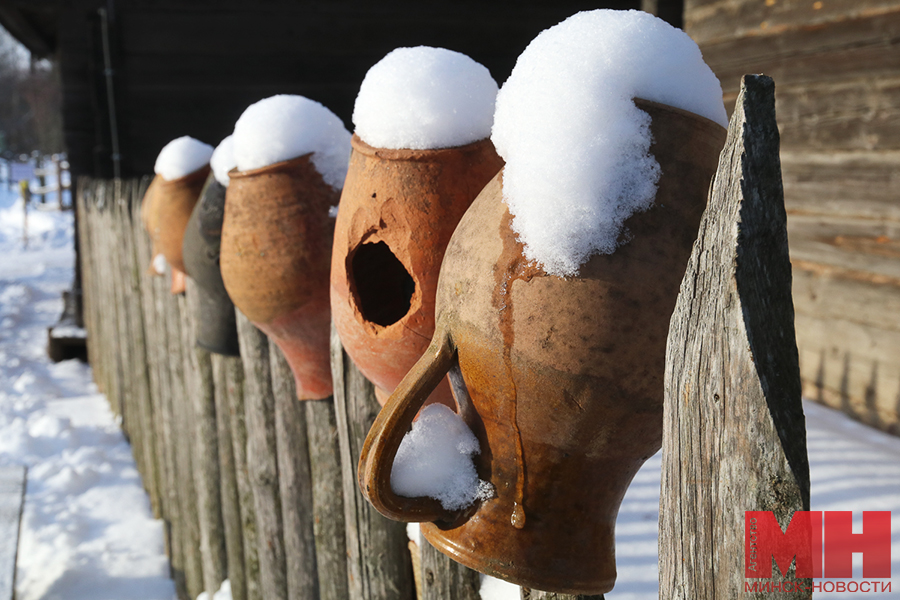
{"x":511,"y":267}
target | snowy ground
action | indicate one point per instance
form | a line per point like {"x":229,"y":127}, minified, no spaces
{"x":87,"y":531}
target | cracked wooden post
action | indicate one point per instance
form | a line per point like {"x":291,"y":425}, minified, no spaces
{"x":734,"y":436}
{"x":378,"y":561}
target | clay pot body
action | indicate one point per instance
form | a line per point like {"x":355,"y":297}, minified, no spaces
{"x":560,"y":379}
{"x":275,"y":261}
{"x":217,"y":331}
{"x":398,"y":210}
{"x":173,"y":202}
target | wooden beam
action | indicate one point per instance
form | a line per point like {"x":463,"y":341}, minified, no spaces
{"x":734,"y":436}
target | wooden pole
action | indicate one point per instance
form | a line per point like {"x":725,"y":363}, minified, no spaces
{"x":262,"y":465}
{"x":328,"y":499}
{"x":295,"y":483}
{"x":231,"y":510}
{"x":207,"y":474}
{"x":379,"y":565}
{"x":445,"y":579}
{"x":734,"y":432}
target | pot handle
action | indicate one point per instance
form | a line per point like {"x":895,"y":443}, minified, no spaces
{"x":393,"y":421}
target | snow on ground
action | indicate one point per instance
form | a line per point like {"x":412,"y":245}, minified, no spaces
{"x":87,"y":531}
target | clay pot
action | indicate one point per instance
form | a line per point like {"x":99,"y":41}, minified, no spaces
{"x":217,"y":331}
{"x":173,"y":203}
{"x":397,"y":213}
{"x":560,"y":379}
{"x":275,"y":260}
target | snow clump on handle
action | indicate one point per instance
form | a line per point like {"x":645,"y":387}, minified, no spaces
{"x":435,"y":460}
{"x":576,"y":147}
{"x":283,"y":127}
{"x":182,"y":156}
{"x":425,"y":98}
{"x":222,"y":160}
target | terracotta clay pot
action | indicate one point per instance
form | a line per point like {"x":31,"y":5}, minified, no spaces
{"x":275,"y":260}
{"x":173,"y":202}
{"x":560,"y":379}
{"x":398,"y":210}
{"x":217,"y":331}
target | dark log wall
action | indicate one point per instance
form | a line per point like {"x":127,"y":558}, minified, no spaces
{"x":190,"y":67}
{"x":836,"y":66}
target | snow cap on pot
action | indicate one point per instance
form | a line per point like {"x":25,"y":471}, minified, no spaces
{"x":576,"y":147}
{"x":421,"y":154}
{"x":560,"y":377}
{"x":291,"y":157}
{"x":222,"y":160}
{"x":181,"y":169}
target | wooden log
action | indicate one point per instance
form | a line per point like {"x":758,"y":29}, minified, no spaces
{"x":294,"y":481}
{"x":734,"y":435}
{"x":234,"y":377}
{"x":183,"y":419}
{"x":140,"y":368}
{"x":328,"y":499}
{"x":262,"y":466}
{"x":445,"y":579}
{"x":207,"y":474}
{"x":379,"y":565}
{"x":231,"y":509}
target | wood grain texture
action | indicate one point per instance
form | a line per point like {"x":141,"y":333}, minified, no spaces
{"x":378,"y":562}
{"x":328,"y":499}
{"x":734,"y":435}
{"x":528,"y":594}
{"x":294,"y":482}
{"x":262,"y":465}
{"x":231,"y":509}
{"x":207,"y":473}
{"x":445,"y":579}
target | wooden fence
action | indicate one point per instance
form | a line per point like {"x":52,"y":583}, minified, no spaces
{"x":260,"y":488}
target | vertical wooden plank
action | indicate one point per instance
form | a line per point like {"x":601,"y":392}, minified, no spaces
{"x":234,"y":376}
{"x":445,"y":579}
{"x":231,"y":510}
{"x":262,"y":467}
{"x":207,"y":475}
{"x":378,"y":565}
{"x":181,"y":343}
{"x":294,"y":481}
{"x":528,"y":594}
{"x":328,"y":499}
{"x":734,"y":432}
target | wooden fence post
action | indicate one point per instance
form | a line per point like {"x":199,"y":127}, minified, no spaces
{"x":445,"y":579}
{"x":734,"y":432}
{"x":262,"y":465}
{"x":295,"y":484}
{"x":379,"y":565}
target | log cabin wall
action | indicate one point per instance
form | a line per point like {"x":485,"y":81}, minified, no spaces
{"x":836,"y":66}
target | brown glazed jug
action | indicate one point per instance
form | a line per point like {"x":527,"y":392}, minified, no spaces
{"x":561,"y":379}
{"x":217,"y":329}
{"x":398,"y":210}
{"x":275,"y":260}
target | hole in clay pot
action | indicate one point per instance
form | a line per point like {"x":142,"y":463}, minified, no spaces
{"x":383,"y":287}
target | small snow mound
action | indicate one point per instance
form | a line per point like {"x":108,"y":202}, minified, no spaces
{"x":222,"y":160}
{"x":435,"y":460}
{"x":576,"y":147}
{"x":423,"y":98}
{"x":182,"y":156}
{"x":159,"y":264}
{"x":283,"y":127}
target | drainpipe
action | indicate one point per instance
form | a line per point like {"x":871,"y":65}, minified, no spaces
{"x":110,"y":97}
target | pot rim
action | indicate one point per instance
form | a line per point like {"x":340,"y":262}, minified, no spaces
{"x":422,"y":154}
{"x":272,"y":168}
{"x":701,"y":120}
{"x":203,"y":172}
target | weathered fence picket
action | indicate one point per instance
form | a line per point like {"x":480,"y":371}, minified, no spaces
{"x":261,"y":488}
